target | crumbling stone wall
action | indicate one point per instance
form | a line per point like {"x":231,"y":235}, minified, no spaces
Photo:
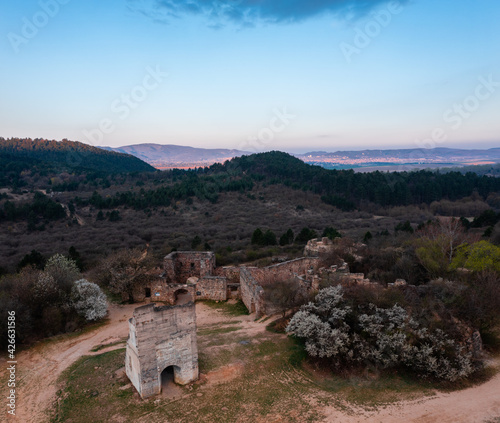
{"x":160,"y":291}
{"x":160,"y":337}
{"x":179,"y":266}
{"x":231,"y":273}
{"x":342,"y":275}
{"x":287,"y":270}
{"x":253,"y":281}
{"x":211,"y":288}
{"x":251,"y":292}
{"x":317,"y":247}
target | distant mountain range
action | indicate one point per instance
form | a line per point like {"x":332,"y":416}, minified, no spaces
{"x":176,"y":156}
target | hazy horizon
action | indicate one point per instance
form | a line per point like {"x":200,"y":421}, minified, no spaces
{"x":256,"y":76}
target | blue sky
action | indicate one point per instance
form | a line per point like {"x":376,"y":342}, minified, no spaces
{"x":253,"y":74}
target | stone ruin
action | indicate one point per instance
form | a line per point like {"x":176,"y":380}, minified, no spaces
{"x":186,"y":272}
{"x":317,"y":247}
{"x":253,"y":281}
{"x":164,"y":337}
{"x":161,"y":338}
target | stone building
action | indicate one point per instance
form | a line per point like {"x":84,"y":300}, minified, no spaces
{"x":179,"y":266}
{"x":161,"y":339}
{"x":190,"y":272}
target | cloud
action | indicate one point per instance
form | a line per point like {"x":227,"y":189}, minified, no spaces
{"x":251,"y":12}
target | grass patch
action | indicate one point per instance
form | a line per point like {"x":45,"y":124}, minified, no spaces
{"x":103,"y":346}
{"x":232,"y":309}
{"x":297,"y":352}
{"x":217,"y":331}
{"x":91,"y":391}
{"x":371,"y":390}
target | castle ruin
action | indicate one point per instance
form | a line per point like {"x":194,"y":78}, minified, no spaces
{"x":164,"y":337}
{"x":161,"y":338}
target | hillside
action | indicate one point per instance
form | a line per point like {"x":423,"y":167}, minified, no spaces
{"x":18,"y":153}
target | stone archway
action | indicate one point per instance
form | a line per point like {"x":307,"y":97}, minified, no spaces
{"x":182,"y":296}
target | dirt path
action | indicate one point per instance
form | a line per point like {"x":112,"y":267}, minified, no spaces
{"x":40,"y":367}
{"x":479,"y":404}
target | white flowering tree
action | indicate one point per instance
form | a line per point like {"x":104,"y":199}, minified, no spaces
{"x":383,"y":337}
{"x":64,"y":271}
{"x":88,"y":300}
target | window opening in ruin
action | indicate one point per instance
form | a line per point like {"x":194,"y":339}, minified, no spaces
{"x":147,"y":291}
{"x":192,"y":266}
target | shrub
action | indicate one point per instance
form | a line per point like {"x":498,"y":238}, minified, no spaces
{"x":305,"y":235}
{"x":480,"y":256}
{"x":331,"y":233}
{"x":384,"y":337}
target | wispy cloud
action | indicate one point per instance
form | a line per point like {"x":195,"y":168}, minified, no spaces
{"x":252,"y":12}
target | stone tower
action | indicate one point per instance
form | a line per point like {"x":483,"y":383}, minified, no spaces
{"x":160,"y":337}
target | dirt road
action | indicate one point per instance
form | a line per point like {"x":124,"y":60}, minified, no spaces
{"x":40,"y":366}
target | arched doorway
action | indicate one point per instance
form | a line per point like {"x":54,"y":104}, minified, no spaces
{"x":168,"y":387}
{"x":182,"y":296}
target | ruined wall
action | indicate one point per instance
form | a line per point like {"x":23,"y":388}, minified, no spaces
{"x":231,"y":273}
{"x":341,"y":275}
{"x":317,"y":247}
{"x":160,"y":291}
{"x":181,"y":265}
{"x":211,"y":288}
{"x":286,"y":270}
{"x":160,"y":337}
{"x":251,"y":292}
{"x":253,"y":281}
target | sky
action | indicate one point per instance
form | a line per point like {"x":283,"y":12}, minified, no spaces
{"x":253,"y":75}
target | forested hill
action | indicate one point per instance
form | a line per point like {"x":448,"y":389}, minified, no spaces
{"x":347,"y":189}
{"x":65,"y":156}
{"x":343,"y":189}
